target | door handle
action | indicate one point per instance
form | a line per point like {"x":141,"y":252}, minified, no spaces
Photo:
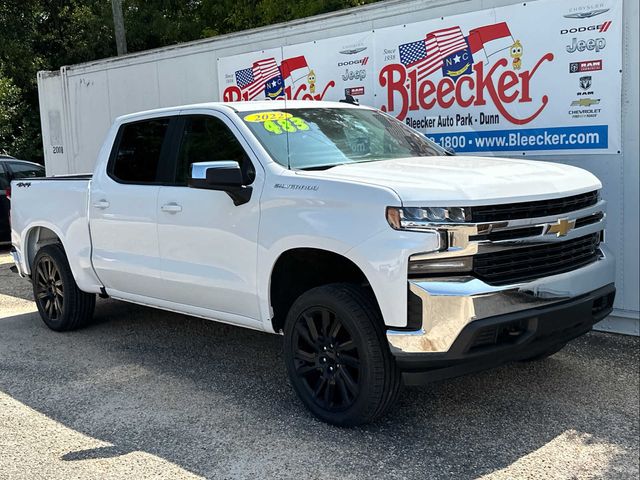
{"x":102,"y":204}
{"x":171,"y":207}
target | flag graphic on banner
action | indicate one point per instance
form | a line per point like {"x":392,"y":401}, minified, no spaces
{"x":491,"y":39}
{"x":294,"y":68}
{"x":458,"y":63}
{"x":426,"y":56}
{"x":252,"y":80}
{"x":274,"y":88}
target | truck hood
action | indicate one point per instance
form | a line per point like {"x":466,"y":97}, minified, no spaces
{"x":468,"y":181}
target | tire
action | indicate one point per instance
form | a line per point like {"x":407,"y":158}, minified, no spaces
{"x":62,"y":305}
{"x":337,"y":355}
{"x":544,"y":354}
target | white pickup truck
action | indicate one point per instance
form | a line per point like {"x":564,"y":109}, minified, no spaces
{"x":379,"y":256}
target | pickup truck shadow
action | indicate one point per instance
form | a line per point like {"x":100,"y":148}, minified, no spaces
{"x":215,"y":400}
{"x":12,"y":285}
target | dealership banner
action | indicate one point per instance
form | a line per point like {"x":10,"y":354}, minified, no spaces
{"x":536,"y":77}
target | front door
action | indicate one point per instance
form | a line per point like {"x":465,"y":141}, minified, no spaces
{"x":208,"y":246}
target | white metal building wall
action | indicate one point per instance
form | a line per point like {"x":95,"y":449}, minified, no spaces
{"x":78,"y":104}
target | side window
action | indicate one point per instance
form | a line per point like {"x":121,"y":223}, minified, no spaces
{"x":4,"y":177}
{"x":208,"y":139}
{"x":25,"y":170}
{"x":138,"y":155}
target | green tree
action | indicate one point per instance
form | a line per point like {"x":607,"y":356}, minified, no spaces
{"x":47,"y":34}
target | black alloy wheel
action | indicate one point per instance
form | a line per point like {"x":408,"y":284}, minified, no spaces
{"x":49,"y":290}
{"x":337,"y":355}
{"x":62,"y":305}
{"x":327,"y":359}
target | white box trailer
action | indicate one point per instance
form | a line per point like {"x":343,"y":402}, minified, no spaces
{"x":78,"y":104}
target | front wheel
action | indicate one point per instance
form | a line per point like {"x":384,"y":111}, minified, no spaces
{"x":62,"y":305}
{"x":337,"y":355}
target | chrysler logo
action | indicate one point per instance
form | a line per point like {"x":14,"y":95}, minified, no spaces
{"x":562,"y":227}
{"x":587,"y":14}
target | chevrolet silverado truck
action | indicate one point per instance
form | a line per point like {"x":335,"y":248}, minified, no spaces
{"x":382,"y":258}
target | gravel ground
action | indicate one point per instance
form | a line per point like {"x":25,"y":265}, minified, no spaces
{"x":149,"y":394}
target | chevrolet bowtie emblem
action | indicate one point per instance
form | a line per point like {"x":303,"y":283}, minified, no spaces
{"x":562,"y":227}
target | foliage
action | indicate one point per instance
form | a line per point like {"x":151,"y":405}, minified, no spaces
{"x":47,"y":34}
{"x":17,"y":126}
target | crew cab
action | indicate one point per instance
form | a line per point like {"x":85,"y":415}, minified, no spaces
{"x":378,"y":255}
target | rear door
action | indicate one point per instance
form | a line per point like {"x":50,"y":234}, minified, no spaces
{"x":208,"y":245}
{"x":123,"y":212}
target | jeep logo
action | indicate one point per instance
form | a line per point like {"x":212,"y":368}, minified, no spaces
{"x":354,"y":75}
{"x":593,"y":44}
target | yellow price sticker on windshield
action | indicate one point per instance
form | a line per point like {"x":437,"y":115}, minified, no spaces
{"x":261,"y":117}
{"x":291,"y":125}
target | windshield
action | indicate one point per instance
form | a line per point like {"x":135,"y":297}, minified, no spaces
{"x":318,"y":138}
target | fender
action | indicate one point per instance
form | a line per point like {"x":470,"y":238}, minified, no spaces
{"x":79,"y":259}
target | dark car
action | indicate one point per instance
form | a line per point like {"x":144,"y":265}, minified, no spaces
{"x":12,"y":169}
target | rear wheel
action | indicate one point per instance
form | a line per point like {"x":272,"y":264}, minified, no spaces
{"x":62,"y":305}
{"x":337,"y":355}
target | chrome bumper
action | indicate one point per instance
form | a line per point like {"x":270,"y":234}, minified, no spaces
{"x":450,"y":304}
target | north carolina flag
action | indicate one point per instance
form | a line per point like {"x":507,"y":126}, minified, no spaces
{"x":293,"y":64}
{"x":252,"y":80}
{"x":426,"y":56}
{"x":490,"y":38}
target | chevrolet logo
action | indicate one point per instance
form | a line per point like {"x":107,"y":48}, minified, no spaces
{"x":585,"y":102}
{"x":562,"y":227}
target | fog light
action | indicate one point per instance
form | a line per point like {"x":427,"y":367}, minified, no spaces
{"x":441,"y":265}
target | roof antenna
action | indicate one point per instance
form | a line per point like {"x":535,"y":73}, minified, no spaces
{"x":349,"y":99}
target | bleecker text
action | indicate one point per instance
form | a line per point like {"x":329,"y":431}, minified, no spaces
{"x":495,"y":83}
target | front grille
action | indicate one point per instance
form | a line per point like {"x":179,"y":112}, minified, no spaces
{"x":542,"y":208}
{"x":510,"y":234}
{"x":528,"y":263}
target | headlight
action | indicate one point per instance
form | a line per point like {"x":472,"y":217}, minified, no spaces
{"x":412,"y":218}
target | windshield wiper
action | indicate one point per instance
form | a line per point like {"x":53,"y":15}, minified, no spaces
{"x":320,"y":167}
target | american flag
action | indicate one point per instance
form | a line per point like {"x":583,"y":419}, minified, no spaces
{"x":251,"y":80}
{"x":426,"y":56}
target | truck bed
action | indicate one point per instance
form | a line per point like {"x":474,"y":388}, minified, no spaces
{"x":59,"y":205}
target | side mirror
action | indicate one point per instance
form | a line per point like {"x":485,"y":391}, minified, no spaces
{"x":224,"y":176}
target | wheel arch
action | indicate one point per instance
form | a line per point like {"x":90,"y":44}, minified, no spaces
{"x":76,"y":246}
{"x":299,"y":269}
{"x":36,"y":237}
